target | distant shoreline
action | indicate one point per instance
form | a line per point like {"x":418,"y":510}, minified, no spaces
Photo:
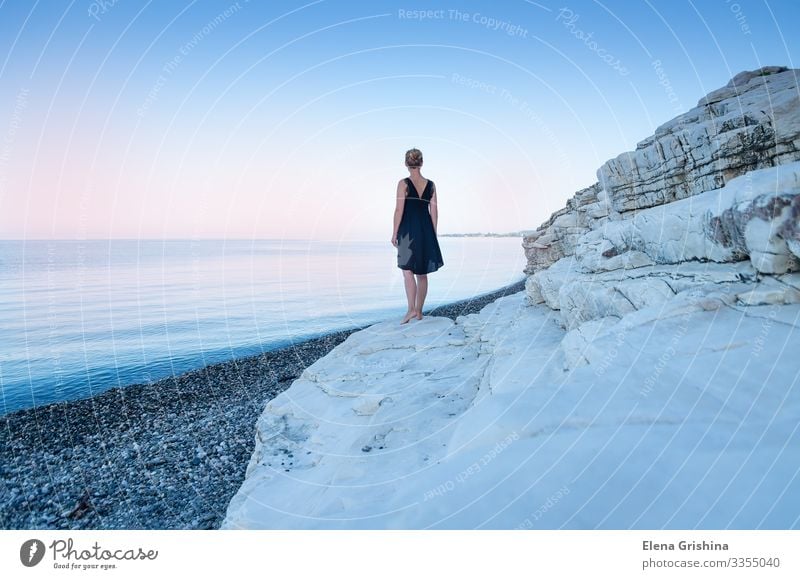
{"x":516,"y":234}
{"x":168,"y":454}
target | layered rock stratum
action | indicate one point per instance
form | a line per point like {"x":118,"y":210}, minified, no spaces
{"x":708,"y":204}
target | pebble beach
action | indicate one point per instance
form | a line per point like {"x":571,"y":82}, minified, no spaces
{"x":168,"y":454}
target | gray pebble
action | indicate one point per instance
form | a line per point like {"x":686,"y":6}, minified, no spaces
{"x":126,"y":446}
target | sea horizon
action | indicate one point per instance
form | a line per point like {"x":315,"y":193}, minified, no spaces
{"x":79,"y":317}
{"x":347,"y":240}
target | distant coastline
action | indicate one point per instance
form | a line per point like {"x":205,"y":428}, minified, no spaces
{"x":510,"y":234}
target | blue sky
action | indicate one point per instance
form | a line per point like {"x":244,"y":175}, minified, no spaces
{"x":290,"y":119}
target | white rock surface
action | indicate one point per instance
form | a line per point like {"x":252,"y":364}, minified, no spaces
{"x":582,"y":297}
{"x":744,"y":219}
{"x":685,"y":416}
{"x":647,"y":377}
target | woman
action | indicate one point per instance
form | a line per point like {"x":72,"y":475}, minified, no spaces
{"x":415,"y":217}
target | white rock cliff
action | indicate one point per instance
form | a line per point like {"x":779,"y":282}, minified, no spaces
{"x":646,"y":378}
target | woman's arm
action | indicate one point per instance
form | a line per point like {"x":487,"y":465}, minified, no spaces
{"x":434,"y":208}
{"x":399,"y":205}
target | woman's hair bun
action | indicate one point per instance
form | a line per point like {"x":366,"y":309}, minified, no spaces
{"x":414,"y":158}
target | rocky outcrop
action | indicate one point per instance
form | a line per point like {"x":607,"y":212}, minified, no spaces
{"x":752,"y":123}
{"x":709,"y":205}
{"x":645,"y":378}
{"x":476,"y":425}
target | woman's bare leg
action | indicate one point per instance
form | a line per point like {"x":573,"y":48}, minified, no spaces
{"x":411,"y":294}
{"x":422,"y":292}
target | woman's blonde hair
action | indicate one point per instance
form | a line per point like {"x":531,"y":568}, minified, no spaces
{"x":414,"y":158}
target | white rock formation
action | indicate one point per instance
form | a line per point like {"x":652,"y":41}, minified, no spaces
{"x":686,"y":417}
{"x":753,"y":123}
{"x":647,"y":377}
{"x":709,"y":204}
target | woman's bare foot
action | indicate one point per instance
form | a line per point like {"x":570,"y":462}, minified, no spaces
{"x":419,"y":315}
{"x":409,"y":314}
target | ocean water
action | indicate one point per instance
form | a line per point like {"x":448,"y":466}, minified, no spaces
{"x":80,"y":317}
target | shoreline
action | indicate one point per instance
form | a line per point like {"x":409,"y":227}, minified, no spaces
{"x":167,"y":454}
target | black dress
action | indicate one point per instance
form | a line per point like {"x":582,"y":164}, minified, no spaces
{"x":417,"y":246}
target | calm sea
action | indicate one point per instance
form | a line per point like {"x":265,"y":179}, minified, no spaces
{"x":80,"y":317}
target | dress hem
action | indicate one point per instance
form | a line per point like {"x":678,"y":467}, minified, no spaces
{"x":422,"y":272}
